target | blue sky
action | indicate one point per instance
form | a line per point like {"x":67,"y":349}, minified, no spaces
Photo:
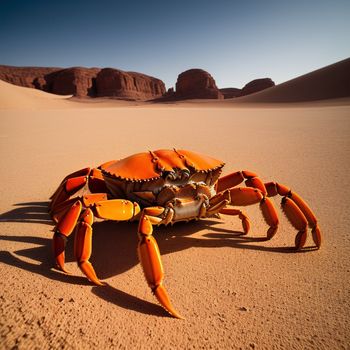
{"x":235,"y":41}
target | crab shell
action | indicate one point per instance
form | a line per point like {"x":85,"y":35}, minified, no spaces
{"x":140,"y":176}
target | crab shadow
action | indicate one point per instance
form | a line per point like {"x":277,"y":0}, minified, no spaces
{"x":29,"y":212}
{"x":114,"y":250}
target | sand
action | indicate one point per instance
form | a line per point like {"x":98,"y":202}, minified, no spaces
{"x":234,"y":291}
{"x":330,"y":82}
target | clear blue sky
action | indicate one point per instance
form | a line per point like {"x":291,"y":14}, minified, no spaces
{"x":236,"y":41}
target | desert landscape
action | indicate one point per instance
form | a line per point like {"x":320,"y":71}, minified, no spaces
{"x":234,"y":291}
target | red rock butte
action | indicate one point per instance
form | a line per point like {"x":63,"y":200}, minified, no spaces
{"x":197,"y":83}
{"x":114,"y":82}
{"x":82,"y":82}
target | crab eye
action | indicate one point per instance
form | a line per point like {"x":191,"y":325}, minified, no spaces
{"x":169,"y":175}
{"x":185,"y":174}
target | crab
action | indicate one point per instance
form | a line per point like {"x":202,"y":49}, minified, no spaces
{"x":164,"y":187}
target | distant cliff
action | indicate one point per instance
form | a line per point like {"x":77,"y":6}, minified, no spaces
{"x":111,"y":82}
{"x":81,"y":82}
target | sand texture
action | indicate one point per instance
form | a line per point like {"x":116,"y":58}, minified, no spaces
{"x":235,"y":292}
{"x":328,"y":82}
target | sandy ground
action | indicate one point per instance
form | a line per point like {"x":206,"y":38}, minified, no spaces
{"x":234,"y":291}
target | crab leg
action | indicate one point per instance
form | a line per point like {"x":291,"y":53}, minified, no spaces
{"x":150,"y":259}
{"x":83,"y":246}
{"x":87,"y":200}
{"x":66,"y":189}
{"x":81,"y":172}
{"x":229,"y":181}
{"x":244,"y":218}
{"x":77,"y":180}
{"x":96,"y":181}
{"x":242,"y":196}
{"x":63,"y":229}
{"x":61,"y":209}
{"x":234,"y":179}
{"x":301,"y":212}
{"x":297,"y":214}
{"x":297,"y":219}
{"x":218,"y":204}
{"x":115,"y":209}
{"x":68,"y":219}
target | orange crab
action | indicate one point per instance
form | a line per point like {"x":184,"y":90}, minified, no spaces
{"x":163,"y":187}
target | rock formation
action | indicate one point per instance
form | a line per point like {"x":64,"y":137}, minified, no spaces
{"x":81,"y":82}
{"x":130,"y":85}
{"x":231,"y":92}
{"x":75,"y":81}
{"x":33,"y":77}
{"x":257,"y":85}
{"x":196,"y":83}
{"x":170,"y":91}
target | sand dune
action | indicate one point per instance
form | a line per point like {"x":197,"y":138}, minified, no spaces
{"x":13,"y":96}
{"x":234,"y":291}
{"x":329,"y":82}
{"x":22,"y":98}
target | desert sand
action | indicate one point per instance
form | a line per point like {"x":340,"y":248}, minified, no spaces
{"x":235,"y":292}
